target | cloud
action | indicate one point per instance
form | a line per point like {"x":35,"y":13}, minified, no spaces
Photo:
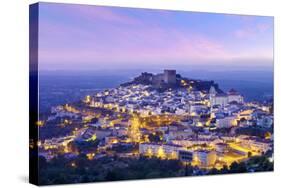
{"x":262,"y":27}
{"x":244,"y":33}
{"x":99,"y":13}
{"x":109,"y":36}
{"x":119,"y":44}
{"x":252,"y":29}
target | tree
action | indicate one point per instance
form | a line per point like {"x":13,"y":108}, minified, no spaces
{"x":249,"y":154}
{"x":42,"y":161}
{"x":224,"y":169}
{"x":155,"y":138}
{"x":238,"y":167}
{"x":111,"y":176}
{"x":188,"y":170}
{"x":214,"y":171}
{"x":94,"y":120}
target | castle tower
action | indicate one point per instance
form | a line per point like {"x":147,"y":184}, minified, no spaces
{"x":170,"y":76}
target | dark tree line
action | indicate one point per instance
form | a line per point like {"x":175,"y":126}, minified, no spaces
{"x":62,"y":171}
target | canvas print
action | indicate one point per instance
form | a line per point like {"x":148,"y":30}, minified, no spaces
{"x":128,"y":93}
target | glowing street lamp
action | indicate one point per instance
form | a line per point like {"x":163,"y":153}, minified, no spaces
{"x":88,"y":99}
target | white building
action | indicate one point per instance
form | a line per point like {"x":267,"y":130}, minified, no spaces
{"x":219,"y":99}
{"x":206,"y":158}
{"x":226,"y":122}
{"x":223,"y":99}
{"x":195,"y":108}
{"x":234,"y":96}
{"x":254,"y":144}
{"x":160,"y":150}
{"x":221,"y":147}
{"x":181,"y":134}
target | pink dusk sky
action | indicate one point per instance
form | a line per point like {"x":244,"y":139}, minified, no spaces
{"x":78,"y":37}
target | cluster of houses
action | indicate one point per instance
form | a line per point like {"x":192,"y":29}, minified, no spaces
{"x":208,"y":151}
{"x":225,"y":109}
{"x":145,"y":100}
{"x":207,"y":111}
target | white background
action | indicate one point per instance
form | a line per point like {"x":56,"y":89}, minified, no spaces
{"x":14,"y":91}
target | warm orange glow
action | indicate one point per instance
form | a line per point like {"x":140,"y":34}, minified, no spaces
{"x":66,"y":150}
{"x":193,"y":114}
{"x":73,"y":164}
{"x":161,"y":153}
{"x":149,"y":152}
{"x":40,"y":123}
{"x":134,"y":130}
{"x":267,"y":135}
{"x":70,"y":109}
{"x":234,"y":122}
{"x":199,"y":124}
{"x":88,"y":99}
{"x":90,"y":156}
{"x":93,"y":138}
{"x":173,"y":155}
{"x":183,"y":83}
{"x":208,"y":122}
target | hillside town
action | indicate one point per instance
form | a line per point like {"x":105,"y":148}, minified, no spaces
{"x":164,"y":116}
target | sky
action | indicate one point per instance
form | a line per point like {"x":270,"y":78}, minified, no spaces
{"x":86,"y":37}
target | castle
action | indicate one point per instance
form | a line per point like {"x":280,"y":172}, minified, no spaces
{"x":165,"y":79}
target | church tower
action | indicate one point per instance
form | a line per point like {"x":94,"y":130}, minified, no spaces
{"x":212,"y":92}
